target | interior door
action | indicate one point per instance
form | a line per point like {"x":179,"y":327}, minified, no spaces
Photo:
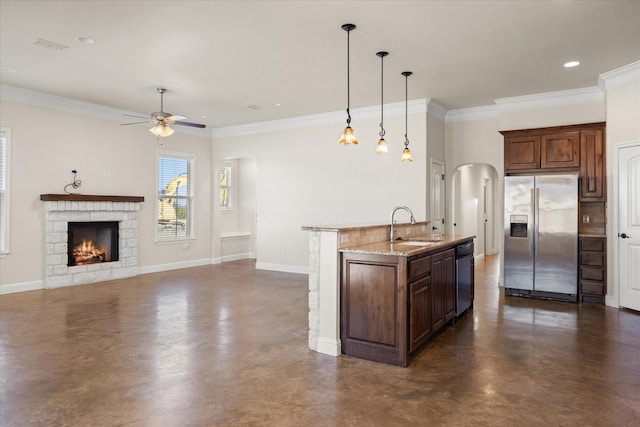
{"x":437,"y":196}
{"x":629,"y":226}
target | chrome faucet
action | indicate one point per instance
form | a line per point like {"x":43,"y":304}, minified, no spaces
{"x":393,"y":221}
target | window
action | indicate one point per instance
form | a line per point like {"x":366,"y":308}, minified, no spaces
{"x":175,"y":196}
{"x":5,"y":138}
{"x":225,"y":187}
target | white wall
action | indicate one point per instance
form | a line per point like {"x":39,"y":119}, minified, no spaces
{"x":304,"y":177}
{"x":623,"y":126}
{"x":111,"y":160}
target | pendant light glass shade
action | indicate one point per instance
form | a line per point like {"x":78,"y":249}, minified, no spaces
{"x":348,"y":136}
{"x":161,"y":129}
{"x":406,"y":153}
{"x":382,"y":148}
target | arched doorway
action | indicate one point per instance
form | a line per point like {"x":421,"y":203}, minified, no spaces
{"x":476,"y":206}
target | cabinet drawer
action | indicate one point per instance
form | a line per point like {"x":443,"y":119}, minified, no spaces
{"x":592,"y":273}
{"x":596,"y":245}
{"x":592,"y":258}
{"x":419,"y":267}
{"x":592,"y":288}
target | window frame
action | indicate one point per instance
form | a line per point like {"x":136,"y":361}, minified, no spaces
{"x":5,"y":193}
{"x":228,"y":187}
{"x":190,"y":196}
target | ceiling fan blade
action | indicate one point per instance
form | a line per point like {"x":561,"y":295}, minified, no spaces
{"x":195,"y":125}
{"x":140,"y":117}
{"x":176,"y":118}
{"x":136,"y":123}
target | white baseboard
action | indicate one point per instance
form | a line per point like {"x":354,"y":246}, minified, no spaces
{"x":282,"y":267}
{"x":12,"y":288}
{"x":329,"y":346}
{"x":236,"y":257}
{"x":174,"y":266}
{"x":478,"y":258}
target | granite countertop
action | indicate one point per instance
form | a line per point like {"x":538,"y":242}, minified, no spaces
{"x":359,"y":226}
{"x":416,"y":246}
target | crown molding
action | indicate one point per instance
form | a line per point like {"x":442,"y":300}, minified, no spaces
{"x":396,"y":109}
{"x":485,"y":112}
{"x":620,"y":76}
{"x":550,"y":99}
{"x":436,"y":110}
{"x":69,"y":105}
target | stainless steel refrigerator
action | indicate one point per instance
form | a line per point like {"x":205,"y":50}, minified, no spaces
{"x":541,"y":236}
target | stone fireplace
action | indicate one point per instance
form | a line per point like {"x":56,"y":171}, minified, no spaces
{"x":110,"y":222}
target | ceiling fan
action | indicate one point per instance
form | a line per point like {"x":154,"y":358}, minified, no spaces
{"x":163,"y":119}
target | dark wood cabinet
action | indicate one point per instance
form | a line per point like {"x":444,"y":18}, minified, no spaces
{"x":449,"y":284}
{"x":578,"y":148}
{"x":390,"y":306}
{"x":521,"y":153}
{"x":592,"y":166}
{"x":420,"y":329}
{"x":443,"y":290}
{"x":592,"y":265}
{"x":560,"y":150}
{"x":373,"y":307}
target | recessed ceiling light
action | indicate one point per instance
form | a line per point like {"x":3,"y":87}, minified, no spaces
{"x":8,"y":70}
{"x":277,"y":104}
{"x":571,"y":64}
{"x":85,"y":40}
{"x":254,"y":107}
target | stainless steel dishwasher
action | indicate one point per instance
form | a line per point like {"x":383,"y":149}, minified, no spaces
{"x":464,"y":277}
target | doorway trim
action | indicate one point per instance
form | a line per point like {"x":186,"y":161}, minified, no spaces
{"x":614,"y":300}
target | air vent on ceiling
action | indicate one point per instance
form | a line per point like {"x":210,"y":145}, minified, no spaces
{"x":50,"y":45}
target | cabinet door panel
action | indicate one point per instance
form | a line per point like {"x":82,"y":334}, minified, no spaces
{"x":560,"y":150}
{"x":522,"y":152}
{"x":371,"y":302}
{"x":437,"y":291}
{"x":449,"y":284}
{"x":592,"y":180}
{"x":420,"y":313}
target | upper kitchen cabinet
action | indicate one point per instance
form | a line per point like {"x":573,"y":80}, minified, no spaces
{"x":521,"y":153}
{"x":576,"y":147}
{"x":592,"y":175}
{"x":560,"y":150}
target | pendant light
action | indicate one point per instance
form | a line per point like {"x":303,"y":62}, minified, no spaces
{"x":382,"y":144}
{"x":406,"y":153}
{"x":347,"y":135}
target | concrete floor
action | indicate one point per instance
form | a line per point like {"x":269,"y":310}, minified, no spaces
{"x":226,"y":345}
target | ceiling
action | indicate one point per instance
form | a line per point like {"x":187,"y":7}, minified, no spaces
{"x":228,"y":63}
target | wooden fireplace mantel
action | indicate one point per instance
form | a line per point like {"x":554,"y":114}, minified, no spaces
{"x":89,"y":198}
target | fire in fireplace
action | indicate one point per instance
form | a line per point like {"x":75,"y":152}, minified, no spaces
{"x":92,"y":242}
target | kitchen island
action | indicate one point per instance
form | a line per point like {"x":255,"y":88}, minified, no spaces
{"x":395,"y":296}
{"x":371,"y":298}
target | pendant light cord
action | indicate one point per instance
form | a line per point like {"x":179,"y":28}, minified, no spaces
{"x":382,"y":132}
{"x":406,"y":109}
{"x":348,"y":81}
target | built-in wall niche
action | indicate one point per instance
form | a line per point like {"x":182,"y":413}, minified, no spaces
{"x":92,"y":242}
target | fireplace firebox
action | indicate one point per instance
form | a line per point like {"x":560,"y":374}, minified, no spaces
{"x":92,"y":242}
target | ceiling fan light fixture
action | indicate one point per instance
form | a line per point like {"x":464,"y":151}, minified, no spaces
{"x":161,"y":129}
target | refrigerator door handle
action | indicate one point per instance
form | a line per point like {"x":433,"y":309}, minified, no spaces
{"x":536,"y":221}
{"x":531,"y":225}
